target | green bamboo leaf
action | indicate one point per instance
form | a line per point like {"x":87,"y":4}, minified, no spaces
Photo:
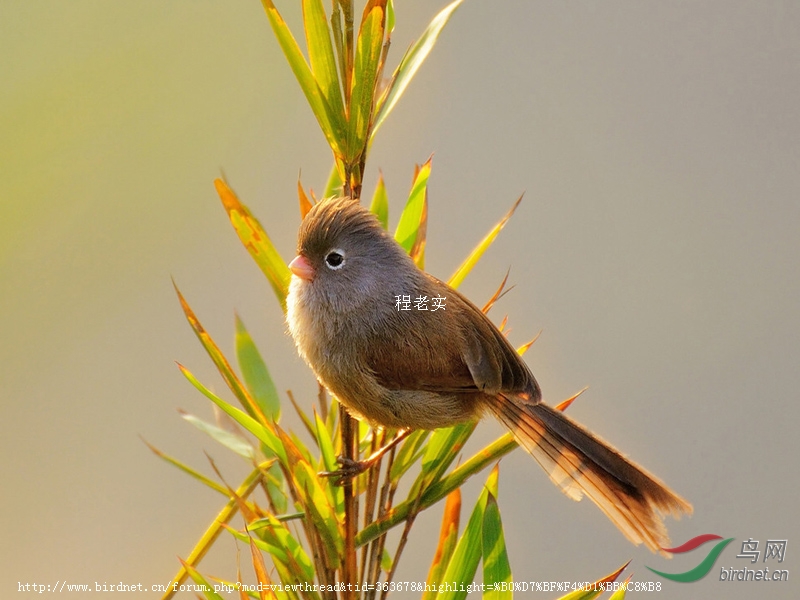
{"x":215,"y":529}
{"x":338,"y":42}
{"x":476,"y":254}
{"x":208,"y":589}
{"x":262,"y":576}
{"x":256,"y":375}
{"x":288,"y":555}
{"x":261,"y":432}
{"x":230,"y":440}
{"x":320,"y":55}
{"x":275,"y":487}
{"x":380,"y":203}
{"x":325,"y":443}
{"x":224,"y":368}
{"x":443,"y":446}
{"x":595,"y":589}
{"x":620,"y":593}
{"x":448,"y":536}
{"x":320,"y":510}
{"x":410,"y":452}
{"x":365,"y":73}
{"x":390,"y":16}
{"x":188,"y":470}
{"x":256,"y":241}
{"x":410,"y":64}
{"x":334,"y":187}
{"x":467,"y":554}
{"x":415,"y":209}
{"x":332,"y":127}
{"x":496,"y":568}
{"x":312,"y":497}
{"x":438,"y":490}
{"x":305,"y":203}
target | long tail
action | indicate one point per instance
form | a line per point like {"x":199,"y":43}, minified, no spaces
{"x":580,"y":463}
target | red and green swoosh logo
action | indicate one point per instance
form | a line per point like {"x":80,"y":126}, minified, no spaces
{"x":705,"y":565}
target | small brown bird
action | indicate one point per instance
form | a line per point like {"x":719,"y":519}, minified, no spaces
{"x":425,"y":369}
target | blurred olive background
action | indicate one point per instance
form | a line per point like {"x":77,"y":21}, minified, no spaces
{"x":657,"y":248}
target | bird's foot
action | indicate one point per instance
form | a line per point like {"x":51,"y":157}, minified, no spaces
{"x":349,"y":468}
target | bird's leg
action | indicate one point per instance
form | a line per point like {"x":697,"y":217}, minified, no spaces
{"x":350,"y":468}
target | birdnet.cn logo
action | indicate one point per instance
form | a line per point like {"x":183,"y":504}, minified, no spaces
{"x":774,"y":553}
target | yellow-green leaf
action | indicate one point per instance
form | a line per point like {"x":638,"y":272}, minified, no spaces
{"x":256,"y":375}
{"x":411,"y":62}
{"x":321,"y":57}
{"x":188,"y":470}
{"x":365,"y":73}
{"x":595,"y":589}
{"x":256,"y":241}
{"x":438,"y":490}
{"x":202,"y":583}
{"x":620,"y":593}
{"x":467,"y":554}
{"x":414,"y":215}
{"x":220,"y":361}
{"x":230,"y":440}
{"x":476,"y":254}
{"x":380,"y":203}
{"x":334,"y":187}
{"x":249,"y":423}
{"x":332,"y":127}
{"x":448,"y":536}
{"x":496,"y":568}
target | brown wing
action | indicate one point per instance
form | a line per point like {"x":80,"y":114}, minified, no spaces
{"x":451,"y":351}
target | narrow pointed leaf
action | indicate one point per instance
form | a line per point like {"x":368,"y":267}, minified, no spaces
{"x":410,"y":452}
{"x":261,"y":432}
{"x":524,"y":348}
{"x":380,"y":203}
{"x":443,"y":447}
{"x":564,"y":405}
{"x":256,"y":241}
{"x":467,"y":554}
{"x":410,"y":64}
{"x":214,"y":530}
{"x":233,"y":442}
{"x":288,"y":555}
{"x":331,"y":126}
{"x":496,"y":568}
{"x":325,"y":443}
{"x":255,"y":373}
{"x":334,"y":187}
{"x":305,"y":203}
{"x":595,"y":589}
{"x":188,"y":470}
{"x":415,"y":208}
{"x":224,"y":368}
{"x":497,"y":295}
{"x":365,"y":72}
{"x":209,"y":592}
{"x":262,"y":576}
{"x":438,"y":490}
{"x":620,"y":593}
{"x":476,"y":254}
{"x":321,"y":57}
{"x":448,"y":536}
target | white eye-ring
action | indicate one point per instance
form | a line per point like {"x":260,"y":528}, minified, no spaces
{"x":334,"y":260}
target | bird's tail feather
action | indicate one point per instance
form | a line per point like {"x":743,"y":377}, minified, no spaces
{"x":580,"y":463}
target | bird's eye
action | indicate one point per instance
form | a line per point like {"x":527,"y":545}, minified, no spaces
{"x":335,"y":259}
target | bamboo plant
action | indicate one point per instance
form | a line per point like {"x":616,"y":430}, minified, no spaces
{"x":326,"y":541}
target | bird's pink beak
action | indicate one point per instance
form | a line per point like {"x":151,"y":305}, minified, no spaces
{"x":300,"y":267}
